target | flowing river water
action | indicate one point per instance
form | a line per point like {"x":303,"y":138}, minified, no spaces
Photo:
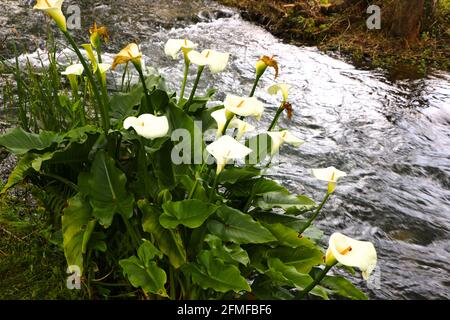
{"x":393,"y":139}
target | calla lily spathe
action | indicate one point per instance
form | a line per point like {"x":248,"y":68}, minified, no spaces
{"x":225,"y":149}
{"x":281,"y":137}
{"x":91,"y":55}
{"x":280,"y":87}
{"x":244,"y":106}
{"x":216,"y":61}
{"x":75,"y":70}
{"x":352,"y":253}
{"x":127,"y":54}
{"x":174,"y":46}
{"x":263,"y":63}
{"x":53,"y":9}
{"x":148,"y":125}
{"x":97,"y":33}
{"x":330,"y":175}
{"x":221,"y":120}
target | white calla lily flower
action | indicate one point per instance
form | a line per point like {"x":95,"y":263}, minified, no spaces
{"x":280,"y":87}
{"x":281,"y":137}
{"x":148,"y":125}
{"x":174,"y":46}
{"x":352,"y":253}
{"x":330,"y":175}
{"x":53,"y":9}
{"x":221,"y":120}
{"x":244,"y":106}
{"x":225,"y":149}
{"x":216,"y":61}
{"x":75,"y":69}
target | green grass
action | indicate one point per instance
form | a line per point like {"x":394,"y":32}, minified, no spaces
{"x":31,"y":266}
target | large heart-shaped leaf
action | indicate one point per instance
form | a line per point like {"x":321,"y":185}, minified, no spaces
{"x":288,"y":275}
{"x":19,"y":142}
{"x":341,"y":286}
{"x":292,"y":204}
{"x":145,"y":274}
{"x":289,"y":237}
{"x":168,"y":241}
{"x":106,"y":190}
{"x":238,"y":227}
{"x":76,"y":229}
{"x":231,"y":253}
{"x":190,"y":213}
{"x":213,"y":273}
{"x":301,"y":258}
{"x":234,"y":174}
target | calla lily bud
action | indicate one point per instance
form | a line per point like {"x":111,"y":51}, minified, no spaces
{"x":53,"y":9}
{"x":351,"y":253}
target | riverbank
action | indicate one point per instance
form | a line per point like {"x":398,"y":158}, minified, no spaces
{"x":333,"y":27}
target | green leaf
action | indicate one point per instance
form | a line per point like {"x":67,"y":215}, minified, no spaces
{"x":289,"y":237}
{"x":230,"y":253}
{"x":263,"y":186}
{"x":199,"y":103}
{"x":341,"y":286}
{"x":288,"y":275}
{"x":159,"y":100}
{"x":106,"y":189}
{"x":147,"y":251}
{"x":178,"y":119}
{"x":213,"y":273}
{"x":22,"y":169}
{"x":301,"y":258}
{"x":238,"y":227}
{"x":235,"y":174}
{"x":190,"y":213}
{"x":168,"y":241}
{"x":145,"y":274}
{"x":19,"y":142}
{"x":188,"y":184}
{"x":295,"y":204}
{"x":76,"y":229}
{"x":264,"y":289}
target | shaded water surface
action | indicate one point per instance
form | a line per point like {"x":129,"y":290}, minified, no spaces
{"x":392,"y":139}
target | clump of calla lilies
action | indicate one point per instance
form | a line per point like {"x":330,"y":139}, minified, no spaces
{"x":211,"y":229}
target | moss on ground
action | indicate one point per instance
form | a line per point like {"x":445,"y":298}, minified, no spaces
{"x":31,"y":266}
{"x":344,"y":30}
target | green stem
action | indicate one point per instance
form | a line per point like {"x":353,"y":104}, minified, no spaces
{"x":194,"y":88}
{"x":213,"y":189}
{"x":131,"y":232}
{"x":186,"y":72}
{"x":123,"y":76}
{"x":255,"y":85}
{"x":173,"y":293}
{"x":316,"y":281}
{"x":144,"y":86}
{"x":225,"y":127}
{"x":105,"y":120}
{"x":316,"y":213}
{"x":276,"y":118}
